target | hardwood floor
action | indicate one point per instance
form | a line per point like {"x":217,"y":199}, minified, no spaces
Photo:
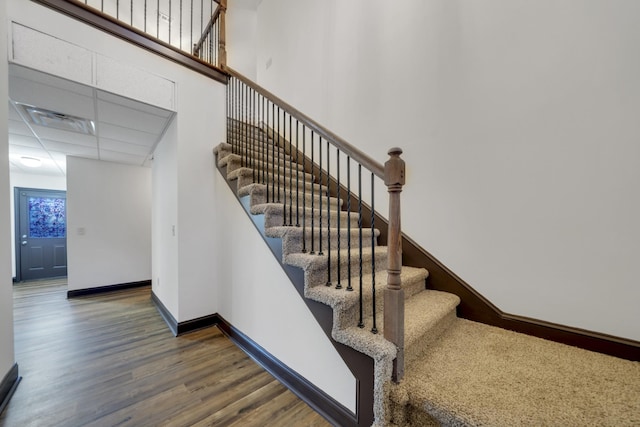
{"x":109,"y":360}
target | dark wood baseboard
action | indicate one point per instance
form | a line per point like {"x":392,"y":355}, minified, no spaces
{"x":473,"y":305}
{"x":324,"y":404}
{"x":476,"y":307}
{"x":119,"y":29}
{"x":109,"y":288}
{"x":171,"y":321}
{"x":180,"y":328}
{"x":8,"y":386}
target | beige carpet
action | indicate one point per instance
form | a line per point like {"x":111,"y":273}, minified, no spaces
{"x":479,"y":375}
{"x":461,"y":373}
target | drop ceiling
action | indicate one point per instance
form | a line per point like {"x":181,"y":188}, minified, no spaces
{"x":126,"y":131}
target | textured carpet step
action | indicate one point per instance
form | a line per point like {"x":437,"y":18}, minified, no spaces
{"x":346,"y":304}
{"x":293,"y":197}
{"x":313,"y":218}
{"x":283,"y":170}
{"x":260,"y":153}
{"x":307,"y":190}
{"x":264,"y":160}
{"x":294,"y":237}
{"x":480,"y":375}
{"x":240,"y":144}
{"x":319,"y":268}
{"x":248,"y":176}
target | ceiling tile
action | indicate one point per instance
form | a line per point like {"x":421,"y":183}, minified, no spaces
{"x":24,"y":141}
{"x":137,"y":105}
{"x":48,"y":134}
{"x":131,"y":118}
{"x":118,"y":133}
{"x":19,"y":128}
{"x":123,"y":147}
{"x":73,"y":149}
{"x":51,"y":98}
{"x":49,"y":80}
{"x":114,"y":156}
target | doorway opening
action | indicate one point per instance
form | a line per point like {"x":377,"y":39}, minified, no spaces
{"x":41,"y":233}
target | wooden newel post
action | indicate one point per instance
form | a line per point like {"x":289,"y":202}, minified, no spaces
{"x":394,"y":294}
{"x":222,"y":36}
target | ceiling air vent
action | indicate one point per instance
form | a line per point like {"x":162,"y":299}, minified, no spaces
{"x":51,"y":119}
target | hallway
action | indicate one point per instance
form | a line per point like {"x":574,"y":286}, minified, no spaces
{"x":109,"y":359}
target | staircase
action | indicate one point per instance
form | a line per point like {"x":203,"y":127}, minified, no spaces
{"x":458,"y":372}
{"x":431,"y":312}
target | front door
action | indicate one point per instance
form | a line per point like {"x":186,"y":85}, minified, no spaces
{"x":41,"y":233}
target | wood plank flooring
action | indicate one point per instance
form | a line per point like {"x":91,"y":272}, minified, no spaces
{"x":110,"y":360}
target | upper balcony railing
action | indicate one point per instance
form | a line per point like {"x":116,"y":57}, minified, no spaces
{"x":193,"y":27}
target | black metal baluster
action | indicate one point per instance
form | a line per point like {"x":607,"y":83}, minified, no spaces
{"x":284,"y":170}
{"x":191,"y":29}
{"x":117,"y":9}
{"x":201,"y":17}
{"x":329,"y":216}
{"x":297,"y":178}
{"x":131,"y":11}
{"x":280,"y":184}
{"x":339,"y":210}
{"x":374,"y":329}
{"x":304,"y":191}
{"x":320,"y":197}
{"x":291,"y":174}
{"x":253,"y":135}
{"x":360,"y":323}
{"x":273,"y":151}
{"x":313,"y":193}
{"x":349,"y":287}
{"x":102,"y":6}
{"x":145,"y":14}
{"x":180,"y":26}
{"x":158,"y":19}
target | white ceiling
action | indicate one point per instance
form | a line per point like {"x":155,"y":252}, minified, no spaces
{"x":127,"y":131}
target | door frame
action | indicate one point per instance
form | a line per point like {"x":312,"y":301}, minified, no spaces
{"x":16,"y":223}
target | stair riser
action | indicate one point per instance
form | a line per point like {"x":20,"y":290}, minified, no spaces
{"x":414,"y":351}
{"x":293,"y":199}
{"x":285,"y":172}
{"x":293,"y":244}
{"x":275,"y":219}
{"x":319,"y":277}
{"x":260,"y":148}
{"x":247,"y":178}
{"x":350,"y":316}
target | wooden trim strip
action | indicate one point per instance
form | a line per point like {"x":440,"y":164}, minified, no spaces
{"x":171,"y":321}
{"x":109,"y":288}
{"x":8,"y":386}
{"x":198,"y":323}
{"x":476,"y":307}
{"x":356,"y":154}
{"x":119,"y":29}
{"x":473,"y":305}
{"x":321,"y":402}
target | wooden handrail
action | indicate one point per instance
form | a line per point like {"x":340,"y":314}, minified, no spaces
{"x":207,"y":29}
{"x":356,"y":154}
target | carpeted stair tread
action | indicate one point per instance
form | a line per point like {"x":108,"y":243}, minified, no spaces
{"x":477,"y":375}
{"x":292,"y":237}
{"x":261,"y":190}
{"x":266,"y":163}
{"x":308,"y":261}
{"x":259,"y":195}
{"x":274,"y":215}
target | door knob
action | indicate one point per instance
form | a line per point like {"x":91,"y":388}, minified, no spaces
{"x":24,"y":243}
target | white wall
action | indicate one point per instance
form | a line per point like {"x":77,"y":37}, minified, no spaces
{"x":241,"y":19}
{"x":519,"y":124}
{"x":165,"y":220}
{"x":108,"y":223}
{"x":260,"y":300}
{"x":7,"y":358}
{"x":28,"y":180}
